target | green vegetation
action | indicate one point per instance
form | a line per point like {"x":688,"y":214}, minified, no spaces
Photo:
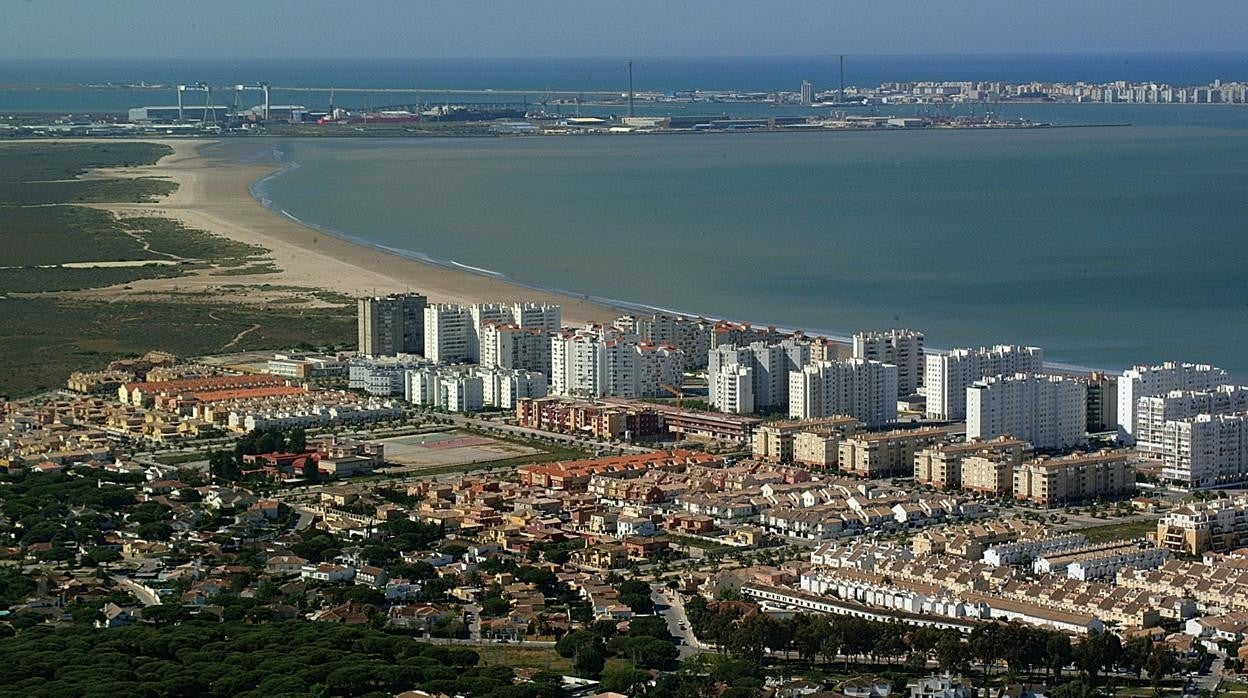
{"x":41,"y":280}
{"x":46,"y":338}
{"x":61,"y":234}
{"x":248,"y":661}
{"x":1120,"y":531}
{"x":173,"y":238}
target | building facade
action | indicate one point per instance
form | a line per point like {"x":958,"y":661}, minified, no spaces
{"x":1050,"y":482}
{"x":389,"y":325}
{"x":1147,"y":381}
{"x":901,"y":348}
{"x":947,"y":376}
{"x":861,"y":388}
{"x":1049,"y":412}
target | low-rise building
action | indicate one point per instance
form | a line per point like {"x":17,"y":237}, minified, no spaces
{"x":1081,"y":477}
{"x":886,"y":454}
{"x":1219,"y":526}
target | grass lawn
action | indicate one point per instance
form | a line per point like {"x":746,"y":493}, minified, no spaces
{"x":1119,"y":531}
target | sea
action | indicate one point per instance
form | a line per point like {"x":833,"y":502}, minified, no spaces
{"x":1105,"y":245}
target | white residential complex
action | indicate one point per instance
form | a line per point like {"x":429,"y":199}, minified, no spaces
{"x":901,"y":348}
{"x":733,"y":387}
{"x":1206,"y":451}
{"x":454,"y":333}
{"x":1049,"y":412}
{"x":947,"y":376}
{"x":768,"y":364}
{"x":860,"y":388}
{"x":1148,"y":381}
{"x":1152,"y":413}
{"x":587,"y":364}
{"x":469,"y":389}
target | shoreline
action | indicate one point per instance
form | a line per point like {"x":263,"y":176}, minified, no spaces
{"x":214,"y":193}
{"x":220,"y":193}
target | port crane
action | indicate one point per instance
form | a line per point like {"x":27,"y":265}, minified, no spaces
{"x":259,"y":87}
{"x":198,"y":87}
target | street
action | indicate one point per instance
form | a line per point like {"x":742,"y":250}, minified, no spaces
{"x":671,"y":606}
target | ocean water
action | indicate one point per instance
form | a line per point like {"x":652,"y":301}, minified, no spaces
{"x":1105,"y":246}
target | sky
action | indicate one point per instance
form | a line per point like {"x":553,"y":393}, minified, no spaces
{"x":148,"y":29}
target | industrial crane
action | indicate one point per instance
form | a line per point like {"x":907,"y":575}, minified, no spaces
{"x":260,"y":87}
{"x":197,"y":87}
{"x":680,"y":394}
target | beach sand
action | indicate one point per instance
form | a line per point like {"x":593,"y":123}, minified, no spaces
{"x":214,"y":195}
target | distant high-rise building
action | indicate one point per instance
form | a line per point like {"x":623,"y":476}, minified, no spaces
{"x":947,"y":376}
{"x":901,"y":348}
{"x":1049,"y":412}
{"x":1148,"y":381}
{"x":394,"y":324}
{"x":769,"y":364}
{"x":446,"y":333}
{"x":860,"y":388}
{"x":808,"y":93}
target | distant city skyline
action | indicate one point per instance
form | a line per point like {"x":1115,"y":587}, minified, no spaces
{"x":232,"y":29}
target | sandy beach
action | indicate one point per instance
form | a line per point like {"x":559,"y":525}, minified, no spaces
{"x":214,"y":195}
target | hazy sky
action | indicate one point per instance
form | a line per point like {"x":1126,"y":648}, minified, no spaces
{"x":505,"y":28}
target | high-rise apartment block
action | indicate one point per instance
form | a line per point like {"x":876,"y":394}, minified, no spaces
{"x":1152,"y":413}
{"x":455,"y":333}
{"x":1147,"y":381}
{"x":1208,"y":450}
{"x":947,"y":376}
{"x":901,"y":348}
{"x":390,"y":325}
{"x":769,"y":366}
{"x":1049,"y":412}
{"x":586,"y":364}
{"x":859,"y":388}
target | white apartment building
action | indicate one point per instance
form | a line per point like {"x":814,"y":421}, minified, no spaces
{"x":1206,"y":451}
{"x":901,"y":348}
{"x":770,"y":364}
{"x":861,"y":388}
{"x":1147,"y":381}
{"x":583,"y":364}
{"x":502,"y":387}
{"x":1152,"y":413}
{"x":734,"y":389}
{"x":1049,"y":412}
{"x":505,"y":345}
{"x":446,"y":333}
{"x":460,"y":331}
{"x":947,"y":376}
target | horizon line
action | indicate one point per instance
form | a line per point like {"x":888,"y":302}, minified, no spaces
{"x":150,"y":58}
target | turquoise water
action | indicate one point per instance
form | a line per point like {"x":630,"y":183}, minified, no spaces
{"x":1106,"y":246}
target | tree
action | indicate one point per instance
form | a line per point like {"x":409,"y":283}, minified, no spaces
{"x":1135,"y":654}
{"x":586,"y":650}
{"x":1097,"y":652}
{"x":624,"y":679}
{"x":1057,"y":653}
{"x":953,"y":655}
{"x":1160,"y":664}
{"x":157,"y":530}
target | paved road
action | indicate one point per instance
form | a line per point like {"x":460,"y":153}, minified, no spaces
{"x":1210,"y":681}
{"x":147,"y":598}
{"x":474,"y":621}
{"x":673,"y":611}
